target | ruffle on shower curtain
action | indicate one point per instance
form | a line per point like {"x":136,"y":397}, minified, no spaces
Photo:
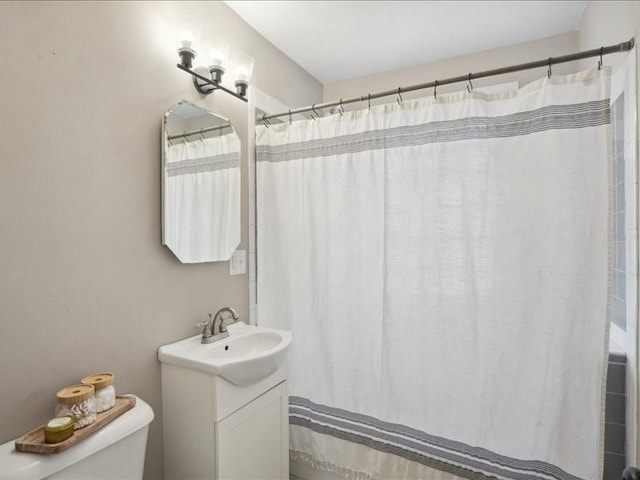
{"x":444,"y":267}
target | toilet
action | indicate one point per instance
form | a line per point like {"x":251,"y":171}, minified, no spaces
{"x":116,"y":451}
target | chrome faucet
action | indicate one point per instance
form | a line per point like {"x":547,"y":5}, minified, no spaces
{"x":216,"y":328}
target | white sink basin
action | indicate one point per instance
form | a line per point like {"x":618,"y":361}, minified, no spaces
{"x":246,"y":356}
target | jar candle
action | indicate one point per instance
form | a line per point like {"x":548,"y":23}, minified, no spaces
{"x":105,"y":393}
{"x":77,"y":402}
{"x":58,"y":429}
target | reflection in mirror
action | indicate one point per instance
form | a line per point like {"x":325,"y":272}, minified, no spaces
{"x":200,"y":185}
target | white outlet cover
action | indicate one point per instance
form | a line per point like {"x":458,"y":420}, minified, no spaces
{"x":238,"y":263}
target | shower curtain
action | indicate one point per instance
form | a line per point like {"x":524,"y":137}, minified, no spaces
{"x":202,"y":198}
{"x":443,"y":265}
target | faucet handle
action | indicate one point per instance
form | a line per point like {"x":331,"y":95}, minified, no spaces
{"x":206,"y":327}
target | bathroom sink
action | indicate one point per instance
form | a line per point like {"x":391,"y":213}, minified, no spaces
{"x":248,"y":355}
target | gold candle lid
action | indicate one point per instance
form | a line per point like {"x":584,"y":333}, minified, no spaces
{"x":75,"y":394}
{"x":98,"y":380}
{"x":58,"y":424}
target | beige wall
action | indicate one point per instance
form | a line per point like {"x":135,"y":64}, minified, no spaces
{"x":610,"y":22}
{"x":86,"y":285}
{"x":496,"y":58}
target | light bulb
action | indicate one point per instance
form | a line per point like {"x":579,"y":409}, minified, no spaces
{"x":188,"y":33}
{"x":218,"y":52}
{"x":186,"y":39}
{"x":242,"y":65}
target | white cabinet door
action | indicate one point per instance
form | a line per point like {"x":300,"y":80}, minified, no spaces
{"x":253,"y":442}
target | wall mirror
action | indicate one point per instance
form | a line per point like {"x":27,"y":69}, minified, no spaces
{"x":200,"y":185}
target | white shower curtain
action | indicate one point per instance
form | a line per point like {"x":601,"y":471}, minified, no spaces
{"x":202,"y":198}
{"x":443,"y":265}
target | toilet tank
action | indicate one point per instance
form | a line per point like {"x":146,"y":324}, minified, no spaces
{"x":116,"y":451}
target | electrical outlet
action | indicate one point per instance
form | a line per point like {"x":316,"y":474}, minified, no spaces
{"x":238,"y":263}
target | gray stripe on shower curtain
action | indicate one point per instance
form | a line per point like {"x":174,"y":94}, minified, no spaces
{"x":552,"y":117}
{"x":435,"y":452}
{"x":204,"y":164}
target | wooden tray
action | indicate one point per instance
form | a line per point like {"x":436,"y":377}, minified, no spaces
{"x":33,"y":442}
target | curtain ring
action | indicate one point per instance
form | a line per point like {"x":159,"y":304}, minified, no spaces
{"x":549,"y":69}
{"x":290,"y":119}
{"x":201,"y":135}
{"x":341,"y":109}
{"x":399,"y":99}
{"x":313,"y":108}
{"x":470,"y":86}
{"x":265,"y":121}
{"x":600,"y":61}
{"x":369,"y":99}
{"x":435,"y":89}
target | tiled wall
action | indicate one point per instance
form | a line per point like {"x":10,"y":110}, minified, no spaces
{"x":619,"y":310}
{"x":614,"y":433}
{"x":618,"y":440}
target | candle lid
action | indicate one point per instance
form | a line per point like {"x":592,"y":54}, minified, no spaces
{"x":59,"y":423}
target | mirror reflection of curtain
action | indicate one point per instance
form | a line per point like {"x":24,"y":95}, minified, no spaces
{"x":202,"y":198}
{"x":443,"y":265}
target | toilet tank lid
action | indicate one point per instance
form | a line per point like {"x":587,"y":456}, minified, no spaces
{"x":16,"y":465}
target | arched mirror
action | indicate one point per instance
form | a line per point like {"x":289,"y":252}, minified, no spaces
{"x":200,"y":185}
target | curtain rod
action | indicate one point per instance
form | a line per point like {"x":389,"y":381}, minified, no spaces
{"x":201,"y":131}
{"x":617,"y":48}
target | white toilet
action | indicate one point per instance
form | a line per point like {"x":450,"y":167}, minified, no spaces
{"x":116,"y":451}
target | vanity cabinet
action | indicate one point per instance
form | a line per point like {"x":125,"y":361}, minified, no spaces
{"x":214,"y":429}
{"x":250,"y":442}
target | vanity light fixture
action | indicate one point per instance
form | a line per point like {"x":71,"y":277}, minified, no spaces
{"x":216,"y":61}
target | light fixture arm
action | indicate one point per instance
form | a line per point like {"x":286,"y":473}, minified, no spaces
{"x":208,"y":81}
